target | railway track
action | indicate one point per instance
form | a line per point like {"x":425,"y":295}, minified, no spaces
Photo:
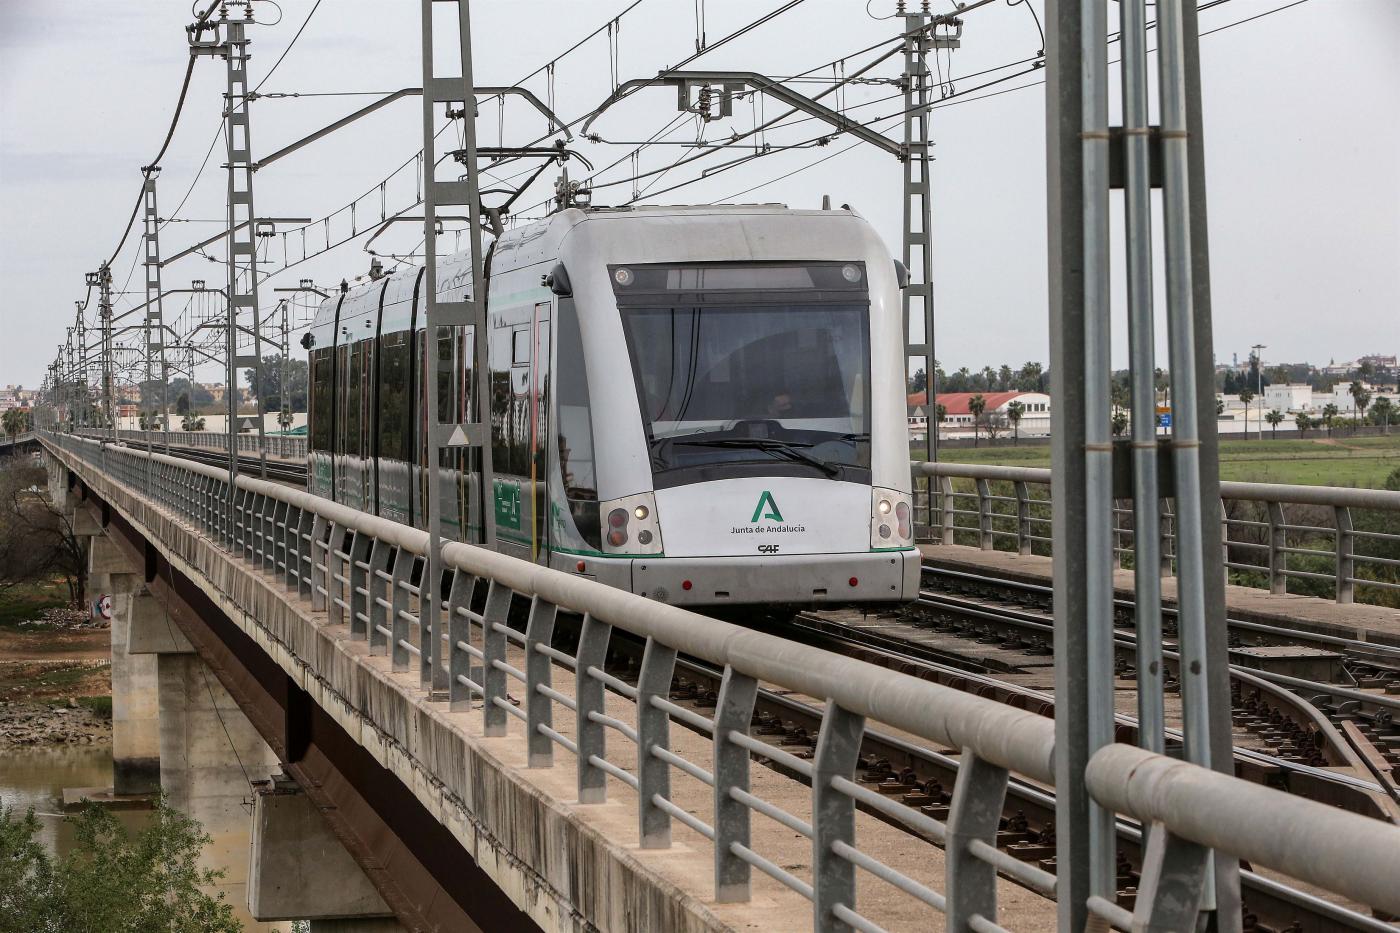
{"x":1298,"y":719}
{"x":282,"y":471}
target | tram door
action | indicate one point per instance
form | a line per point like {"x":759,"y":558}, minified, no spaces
{"x":520,"y":352}
{"x":539,"y":433}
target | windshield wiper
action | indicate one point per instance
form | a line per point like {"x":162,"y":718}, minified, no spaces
{"x":791,"y":450}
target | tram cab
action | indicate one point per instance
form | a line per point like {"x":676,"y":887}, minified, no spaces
{"x":701,"y":405}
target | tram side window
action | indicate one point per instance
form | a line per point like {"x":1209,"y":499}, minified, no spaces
{"x":342,"y":395}
{"x":575,"y":426}
{"x":324,"y":401}
{"x":352,"y":401}
{"x":446,"y":399}
{"x":394,"y":424}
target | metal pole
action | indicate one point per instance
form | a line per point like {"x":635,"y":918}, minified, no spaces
{"x":1065,"y":213}
{"x":284,"y":394}
{"x":468,"y":311}
{"x":104,"y":308}
{"x":84,"y":370}
{"x":1098,"y":440}
{"x":1147,"y":582}
{"x":1228,"y":914}
{"x":155,"y":317}
{"x":917,"y":297}
{"x":241,"y":235}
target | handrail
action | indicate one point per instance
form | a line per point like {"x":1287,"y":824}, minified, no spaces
{"x":360,"y":569}
{"x":1340,"y":851}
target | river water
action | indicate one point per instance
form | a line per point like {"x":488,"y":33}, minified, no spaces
{"x":36,"y":777}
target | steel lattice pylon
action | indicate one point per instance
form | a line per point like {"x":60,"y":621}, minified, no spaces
{"x":917,"y":298}
{"x":155,"y":317}
{"x":468,"y":426}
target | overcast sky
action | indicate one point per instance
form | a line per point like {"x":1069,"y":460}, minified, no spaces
{"x":1302,"y":113}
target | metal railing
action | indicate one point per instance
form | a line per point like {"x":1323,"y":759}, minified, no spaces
{"x":289,"y":447}
{"x":1271,"y":533}
{"x":361,"y":570}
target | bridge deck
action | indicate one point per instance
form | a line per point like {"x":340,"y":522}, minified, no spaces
{"x":1351,"y":620}
{"x":558,"y":860}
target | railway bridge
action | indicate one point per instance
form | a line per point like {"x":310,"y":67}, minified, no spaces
{"x":561,"y":755}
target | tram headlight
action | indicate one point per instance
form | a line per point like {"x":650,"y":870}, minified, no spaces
{"x":630,"y":525}
{"x":891,"y":519}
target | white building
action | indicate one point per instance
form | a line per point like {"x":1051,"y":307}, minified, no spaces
{"x":1288,"y":396}
{"x":958,"y":418}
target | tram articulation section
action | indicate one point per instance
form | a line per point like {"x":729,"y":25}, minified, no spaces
{"x":294,"y":571}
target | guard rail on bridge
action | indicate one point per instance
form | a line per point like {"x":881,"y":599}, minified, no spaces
{"x":1008,"y":508}
{"x":290,"y":447}
{"x":361,"y":570}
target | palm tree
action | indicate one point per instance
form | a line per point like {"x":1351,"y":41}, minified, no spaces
{"x":1219,"y":406}
{"x":15,"y":422}
{"x":1329,"y":411}
{"x":940,"y":415}
{"x":1014,"y":411}
{"x":977,"y":404}
{"x":1275,"y":418}
{"x":1304,"y":422}
{"x":1381,"y":412}
{"x":1361,"y":396}
{"x":1246,"y":397}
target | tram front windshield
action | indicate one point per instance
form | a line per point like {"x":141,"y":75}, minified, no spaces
{"x":753,"y":369}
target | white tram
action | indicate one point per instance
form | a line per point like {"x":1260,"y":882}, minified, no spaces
{"x":701,"y":405}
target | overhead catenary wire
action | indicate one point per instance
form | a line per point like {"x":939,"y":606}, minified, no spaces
{"x":300,"y":29}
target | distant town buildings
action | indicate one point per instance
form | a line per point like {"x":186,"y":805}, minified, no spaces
{"x":958,"y":418}
{"x":12,"y":396}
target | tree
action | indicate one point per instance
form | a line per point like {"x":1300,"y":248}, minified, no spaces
{"x":1004,"y":377}
{"x":1361,"y":396}
{"x":1246,"y":397}
{"x":919,"y":381}
{"x":1119,"y":422}
{"x":1275,"y":418}
{"x":1329,"y":411}
{"x":1029,"y":379}
{"x":191,"y":423}
{"x":977,"y":404}
{"x":36,"y":540}
{"x":271,"y":388}
{"x":110,"y":880}
{"x":996,"y":424}
{"x":16,"y":421}
{"x":1303,"y":421}
{"x":940,"y":415}
{"x":1014,"y":411}
{"x":1381,"y":413}
{"x":1219,"y":406}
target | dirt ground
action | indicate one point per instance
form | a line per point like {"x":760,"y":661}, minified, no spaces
{"x":55,"y":678}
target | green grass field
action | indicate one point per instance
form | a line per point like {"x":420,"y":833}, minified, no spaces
{"x":1340,"y":461}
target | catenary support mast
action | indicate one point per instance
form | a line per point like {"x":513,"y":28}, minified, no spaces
{"x":448,"y":316}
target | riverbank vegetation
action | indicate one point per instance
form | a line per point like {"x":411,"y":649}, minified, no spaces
{"x":147,"y":881}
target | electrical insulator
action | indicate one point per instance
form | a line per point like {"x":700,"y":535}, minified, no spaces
{"x":703,"y":106}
